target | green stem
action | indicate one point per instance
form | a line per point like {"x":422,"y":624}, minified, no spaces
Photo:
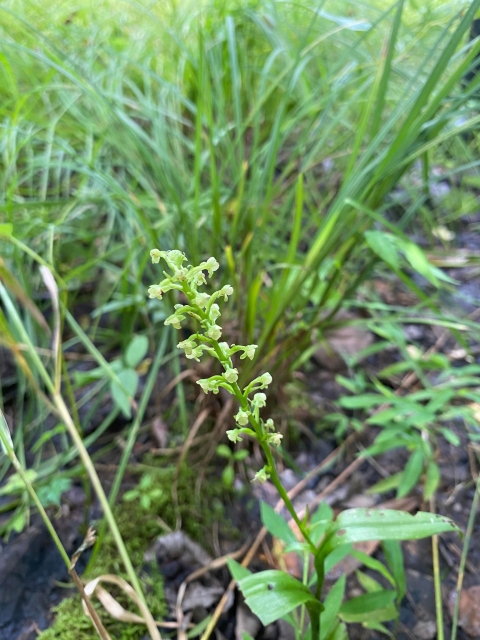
{"x":262,"y":439}
{"x":438,"y":589}
{"x":315,"y":622}
{"x":51,"y":530}
{"x":97,"y":485}
{"x":463,"y":559}
{"x":132,"y":437}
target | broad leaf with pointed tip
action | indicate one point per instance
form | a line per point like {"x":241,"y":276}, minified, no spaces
{"x":359,"y":525}
{"x":273,"y":594}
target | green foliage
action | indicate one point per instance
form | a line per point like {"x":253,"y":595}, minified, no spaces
{"x":405,"y":420}
{"x":228,"y":473}
{"x":282,"y":138}
{"x":273,"y":594}
{"x":145,"y":492}
{"x":71,"y":623}
{"x":276,"y":594}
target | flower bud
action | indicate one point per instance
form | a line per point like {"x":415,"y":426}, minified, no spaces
{"x":211,"y":265}
{"x":262,"y":475}
{"x":269,"y":425}
{"x":274,"y":438}
{"x":226,"y":291}
{"x":195,"y":354}
{"x":155,"y":254}
{"x":155,"y":291}
{"x":175,"y":320}
{"x":259,"y":400}
{"x":242,"y":417}
{"x":214,"y":312}
{"x":248,"y":352}
{"x":265,"y":380}
{"x":231,"y":375}
{"x":201,"y":300}
{"x":214,"y":332}
{"x":233,"y":435}
{"x":187,"y":345}
{"x":208,"y":384}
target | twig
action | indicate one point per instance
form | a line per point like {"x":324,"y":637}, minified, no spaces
{"x":216,"y":564}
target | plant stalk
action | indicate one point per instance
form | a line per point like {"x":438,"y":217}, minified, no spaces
{"x":97,"y":485}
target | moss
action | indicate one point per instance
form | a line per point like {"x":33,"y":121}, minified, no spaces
{"x":139,"y":527}
{"x":70,"y":622}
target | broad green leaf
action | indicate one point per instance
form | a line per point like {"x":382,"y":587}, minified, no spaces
{"x":238,"y":572}
{"x":391,"y":441}
{"x":362,"y":608}
{"x":129,"y":380}
{"x":224,"y":451}
{"x":145,"y":501}
{"x":196,"y":631}
{"x":368,"y":583}
{"x":432,"y":480}
{"x":272,"y":594}
{"x":411,"y":473}
{"x":6,"y":229}
{"x":394,"y":557}
{"x":387,"y":484}
{"x":337,"y":555}
{"x":368,"y":602}
{"x":419,"y":261}
{"x":358,"y":525}
{"x":339,"y":632}
{"x":52,"y":493}
{"x":18,"y":521}
{"x":240,"y":455}
{"x":319,"y":522}
{"x":228,"y":476}
{"x":374,"y":564}
{"x":276,"y":525}
{"x":365,"y":401}
{"x":324,"y":512}
{"x":378,"y":626}
{"x":136,"y":351}
{"x":246,"y":636}
{"x":332,"y":604}
{"x":382,"y":244}
{"x":451,"y":437}
{"x":133,"y":494}
{"x":15,"y":483}
{"x":85,"y":377}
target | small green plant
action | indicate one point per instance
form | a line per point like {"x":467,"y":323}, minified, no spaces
{"x":275,"y":594}
{"x":127,"y":375}
{"x":145,"y":492}
{"x":228,"y":473}
{"x":414,"y":421}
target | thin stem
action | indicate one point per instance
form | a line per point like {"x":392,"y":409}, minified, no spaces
{"x":132,"y":436}
{"x":463,"y":559}
{"x":259,"y":430}
{"x":97,"y":623}
{"x":437,"y":583}
{"x":97,"y":485}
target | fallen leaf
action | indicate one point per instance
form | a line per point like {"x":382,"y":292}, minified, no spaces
{"x":469,"y":611}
